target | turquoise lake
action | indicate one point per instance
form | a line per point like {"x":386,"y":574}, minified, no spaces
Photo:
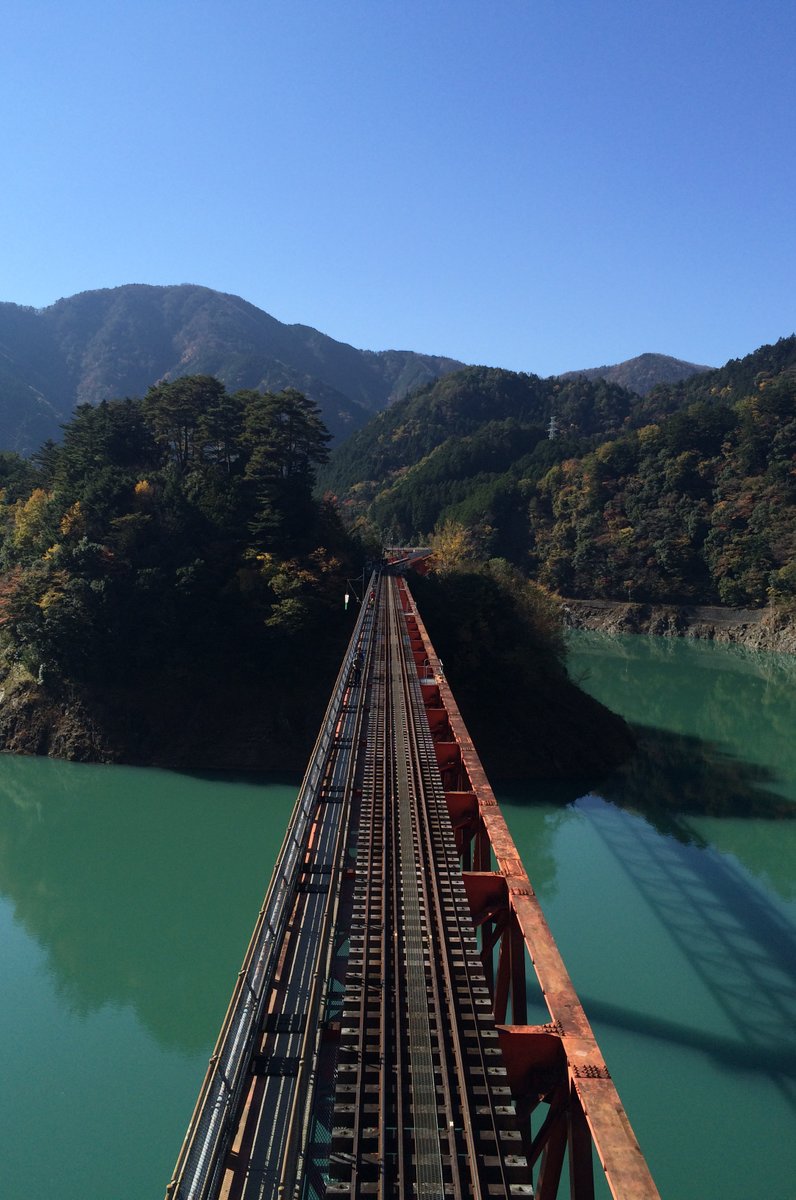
{"x":127,"y":897}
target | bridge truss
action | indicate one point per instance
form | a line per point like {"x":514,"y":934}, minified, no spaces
{"x":376,"y":1043}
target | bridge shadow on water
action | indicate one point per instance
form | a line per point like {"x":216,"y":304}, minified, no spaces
{"x":736,"y":940}
{"x":740,"y":947}
{"x":673,"y":776}
{"x":698,"y":880}
{"x":772,"y":1060}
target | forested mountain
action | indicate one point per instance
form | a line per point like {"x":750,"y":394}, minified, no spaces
{"x":458,"y":448}
{"x":101,"y":345}
{"x":685,"y":495}
{"x":461,"y":406}
{"x":643,"y":373}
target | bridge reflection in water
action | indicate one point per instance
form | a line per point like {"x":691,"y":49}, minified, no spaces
{"x":377,"y":1043}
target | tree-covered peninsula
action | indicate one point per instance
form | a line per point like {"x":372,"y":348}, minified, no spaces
{"x":171,"y":592}
{"x":167,"y":572}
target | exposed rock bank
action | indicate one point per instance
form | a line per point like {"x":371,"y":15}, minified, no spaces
{"x":33,"y":720}
{"x":755,"y":628}
{"x":183,"y":725}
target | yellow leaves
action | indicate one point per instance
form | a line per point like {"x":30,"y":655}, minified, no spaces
{"x":604,"y":453}
{"x":287,"y":577}
{"x":30,"y":519}
{"x":73,"y":521}
{"x":144,"y":490}
{"x":648,"y":434}
{"x":452,"y":545}
{"x":54,"y":593}
{"x":290,"y":578}
{"x":28,"y":511}
{"x":324,"y":562}
{"x":50,"y":597}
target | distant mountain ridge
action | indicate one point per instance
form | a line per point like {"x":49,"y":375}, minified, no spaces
{"x":116,"y":342}
{"x":642,"y":373}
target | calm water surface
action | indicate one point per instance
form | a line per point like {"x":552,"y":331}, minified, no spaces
{"x":127,"y":898}
{"x":675,"y":909}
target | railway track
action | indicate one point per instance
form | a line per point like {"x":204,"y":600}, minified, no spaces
{"x":360,"y":1054}
{"x":427,"y":1111}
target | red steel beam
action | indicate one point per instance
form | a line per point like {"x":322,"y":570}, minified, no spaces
{"x":590,"y":1099}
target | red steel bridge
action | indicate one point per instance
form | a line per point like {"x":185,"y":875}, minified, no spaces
{"x":377,"y":1041}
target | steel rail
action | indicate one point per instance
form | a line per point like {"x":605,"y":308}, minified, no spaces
{"x":387,"y":1031}
{"x":460,"y":987}
{"x":393,"y":928}
{"x":431,"y":861}
{"x":423,"y":779}
{"x":268,"y":1157}
{"x":294,"y":1152}
{"x":370,"y":928}
{"x":396,"y":1002}
{"x":411,"y":945}
{"x":425,"y":948}
{"x":196,"y":1173}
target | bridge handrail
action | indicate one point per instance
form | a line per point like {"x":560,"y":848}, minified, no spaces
{"x":200,"y":1156}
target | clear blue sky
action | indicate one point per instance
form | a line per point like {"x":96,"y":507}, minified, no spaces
{"x":535,"y":184}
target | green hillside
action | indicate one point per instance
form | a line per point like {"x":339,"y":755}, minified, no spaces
{"x":685,"y":495}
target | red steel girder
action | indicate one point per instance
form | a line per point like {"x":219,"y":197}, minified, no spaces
{"x":589,"y":1087}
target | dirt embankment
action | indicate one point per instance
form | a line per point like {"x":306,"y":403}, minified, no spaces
{"x":755,"y":628}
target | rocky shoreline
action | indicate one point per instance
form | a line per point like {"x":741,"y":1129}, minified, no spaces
{"x":201,"y":724}
{"x":755,"y":628}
